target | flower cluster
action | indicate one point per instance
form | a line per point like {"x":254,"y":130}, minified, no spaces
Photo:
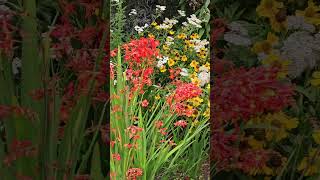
{"x":257,"y":91}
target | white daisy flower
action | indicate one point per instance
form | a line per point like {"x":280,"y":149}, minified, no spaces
{"x":160,"y":8}
{"x":184,"y":72}
{"x":204,"y":78}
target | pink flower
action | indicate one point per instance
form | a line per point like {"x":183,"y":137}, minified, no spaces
{"x":145,"y":103}
{"x":181,"y":123}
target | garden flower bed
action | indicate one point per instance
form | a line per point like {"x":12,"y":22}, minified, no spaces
{"x":265,"y":115}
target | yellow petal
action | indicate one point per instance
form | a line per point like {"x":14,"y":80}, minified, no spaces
{"x":316,"y":74}
{"x":273,"y":39}
{"x":315,"y":82}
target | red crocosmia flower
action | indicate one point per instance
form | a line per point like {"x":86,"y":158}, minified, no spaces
{"x":63,"y":30}
{"x":163,"y":131}
{"x":181,"y":123}
{"x":187,"y":91}
{"x":6,"y":32}
{"x":141,"y":51}
{"x":224,"y":150}
{"x":133,"y":130}
{"x":68,"y":7}
{"x":145,"y":103}
{"x":112,"y":143}
{"x":129,"y":146}
{"x":133,"y":173}
{"x":87,"y":35}
{"x":18,"y":149}
{"x":252,"y":160}
{"x":37,"y":94}
{"x":114,"y":52}
{"x":116,"y":156}
{"x":183,"y":92}
{"x":220,"y":66}
{"x":159,"y":124}
{"x":241,"y":94}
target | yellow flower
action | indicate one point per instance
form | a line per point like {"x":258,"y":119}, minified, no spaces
{"x":189,"y":43}
{"x":279,"y":23}
{"x":194,"y":64}
{"x":311,"y":163}
{"x":192,"y":76}
{"x":268,"y":8}
{"x":157,"y":97}
{"x":275,"y":60}
{"x":196,"y":101}
{"x":207,"y":113}
{"x":255,"y":144}
{"x":184,"y":58}
{"x":163,"y":69}
{"x":154,"y":23}
{"x":195,"y":123}
{"x":189,"y":107}
{"x":194,"y":36}
{"x":171,"y":32}
{"x":266,"y":45}
{"x":310,"y":14}
{"x":165,"y":47}
{"x":151,"y":36}
{"x":202,"y":55}
{"x":316,"y":78}
{"x":278,"y":125}
{"x":157,"y":27}
{"x":176,"y":55}
{"x":207,"y":65}
{"x":196,"y":81}
{"x":195,"y":113}
{"x":171,"y":62}
{"x":181,"y":36}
